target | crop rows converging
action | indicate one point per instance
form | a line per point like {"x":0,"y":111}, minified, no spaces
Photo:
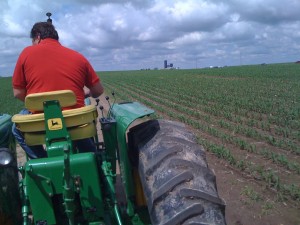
{"x":248,"y":116}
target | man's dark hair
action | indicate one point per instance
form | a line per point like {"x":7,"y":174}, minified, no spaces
{"x":44,"y":30}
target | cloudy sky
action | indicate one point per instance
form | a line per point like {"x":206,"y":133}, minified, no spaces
{"x":136,"y":34}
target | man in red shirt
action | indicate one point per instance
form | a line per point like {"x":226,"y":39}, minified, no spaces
{"x":49,"y":66}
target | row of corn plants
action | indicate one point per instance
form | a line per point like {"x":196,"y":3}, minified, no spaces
{"x":236,"y":127}
{"x":191,"y":116}
{"x":239,"y":107}
{"x":268,"y":175}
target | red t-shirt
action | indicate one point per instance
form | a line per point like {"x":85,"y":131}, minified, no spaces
{"x":49,"y":66}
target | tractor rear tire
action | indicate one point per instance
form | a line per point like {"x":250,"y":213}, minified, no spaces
{"x":178,"y":185}
{"x":10,"y":202}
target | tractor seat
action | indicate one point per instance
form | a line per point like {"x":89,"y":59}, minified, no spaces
{"x":80,"y":122}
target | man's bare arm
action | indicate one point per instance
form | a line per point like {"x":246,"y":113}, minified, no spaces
{"x":96,"y":90}
{"x":19,"y":94}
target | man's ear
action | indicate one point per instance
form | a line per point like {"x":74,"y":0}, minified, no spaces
{"x":38,"y":38}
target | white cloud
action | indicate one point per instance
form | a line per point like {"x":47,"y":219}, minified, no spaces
{"x":12,"y":28}
{"x":186,"y":39}
{"x":234,"y":31}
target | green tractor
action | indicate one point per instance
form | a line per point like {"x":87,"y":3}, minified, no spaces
{"x":152,"y":172}
{"x":163,"y":177}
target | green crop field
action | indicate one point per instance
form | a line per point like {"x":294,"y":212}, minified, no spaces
{"x":8,"y":104}
{"x":235,"y":112}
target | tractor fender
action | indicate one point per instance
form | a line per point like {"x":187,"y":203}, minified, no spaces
{"x":125,"y":114}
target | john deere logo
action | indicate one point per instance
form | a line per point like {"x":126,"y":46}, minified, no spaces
{"x":55,"y":124}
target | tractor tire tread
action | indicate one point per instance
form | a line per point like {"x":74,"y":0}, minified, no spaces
{"x":178,"y":185}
